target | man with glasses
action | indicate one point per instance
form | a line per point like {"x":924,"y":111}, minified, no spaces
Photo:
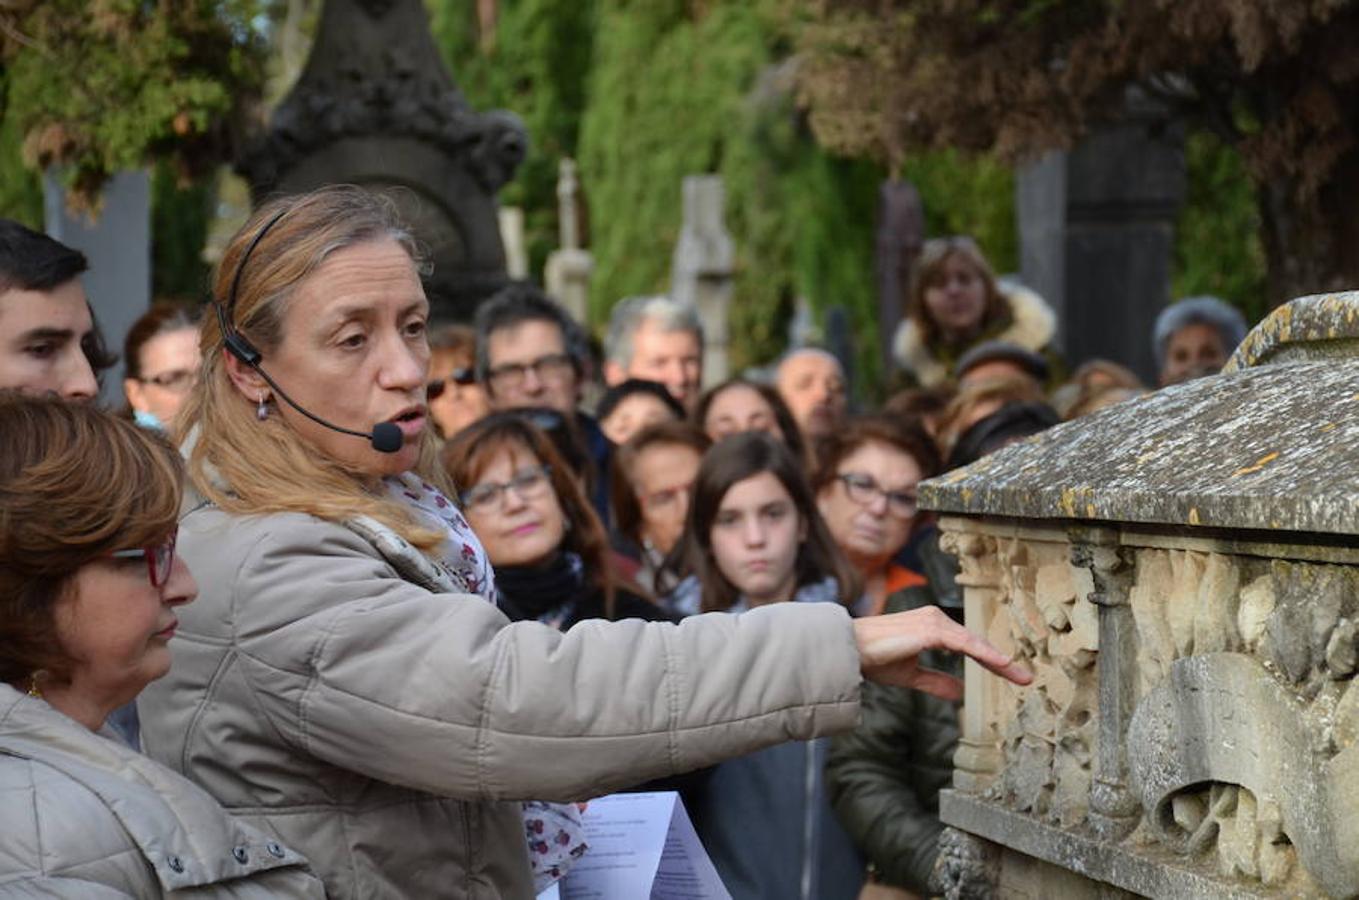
{"x":531,"y":353}
{"x":49,"y":342}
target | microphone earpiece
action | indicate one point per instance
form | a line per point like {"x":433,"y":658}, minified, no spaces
{"x":387,"y":438}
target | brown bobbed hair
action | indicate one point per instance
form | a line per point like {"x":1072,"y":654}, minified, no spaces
{"x":928,"y":271}
{"x":734,"y":459}
{"x":249,"y":467}
{"x":908,"y":436}
{"x":468,"y":454}
{"x":76,"y":483}
{"x":627,"y":508}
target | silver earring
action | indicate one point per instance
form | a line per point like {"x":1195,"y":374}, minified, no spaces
{"x":262,"y":411}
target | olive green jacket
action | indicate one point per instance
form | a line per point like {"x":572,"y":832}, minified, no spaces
{"x":884,"y":777}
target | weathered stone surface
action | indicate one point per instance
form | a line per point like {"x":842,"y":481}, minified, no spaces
{"x":1104,"y":861}
{"x":1222,"y":719}
{"x":1323,"y":326}
{"x":1263,"y":449}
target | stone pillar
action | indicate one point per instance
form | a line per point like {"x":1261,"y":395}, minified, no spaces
{"x":118,"y":245}
{"x":703,"y":269}
{"x":568,"y":269}
{"x":1114,"y":809}
{"x":511,"y":220}
{"x":1097,"y":229}
{"x":977,"y":761}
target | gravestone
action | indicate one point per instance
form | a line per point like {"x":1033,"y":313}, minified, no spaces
{"x":703,"y":269}
{"x":376,"y":106}
{"x":117,"y":243}
{"x":1097,"y":232}
{"x":569,"y":267}
{"x":1181,"y":573}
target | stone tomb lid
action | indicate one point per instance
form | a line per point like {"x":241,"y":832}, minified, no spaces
{"x":1273,"y":445}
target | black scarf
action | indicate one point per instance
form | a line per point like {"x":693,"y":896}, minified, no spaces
{"x":554,"y":587}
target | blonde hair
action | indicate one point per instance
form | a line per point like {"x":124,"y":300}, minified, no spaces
{"x":246,"y":466}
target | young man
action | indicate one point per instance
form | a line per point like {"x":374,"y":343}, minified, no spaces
{"x":657,"y":339}
{"x":49,"y":342}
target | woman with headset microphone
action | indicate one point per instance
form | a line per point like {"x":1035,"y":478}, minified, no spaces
{"x":345,"y":680}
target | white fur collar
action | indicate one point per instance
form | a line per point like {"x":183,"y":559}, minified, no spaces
{"x":1033,"y":326}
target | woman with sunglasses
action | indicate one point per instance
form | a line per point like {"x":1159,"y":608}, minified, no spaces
{"x":551,"y":555}
{"x":381,"y":714}
{"x":455,"y":398}
{"x":956,"y":303}
{"x":90,"y":590}
{"x":754,"y":538}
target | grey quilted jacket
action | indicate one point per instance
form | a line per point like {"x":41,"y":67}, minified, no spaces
{"x":332,"y":687}
{"x":83,"y":816}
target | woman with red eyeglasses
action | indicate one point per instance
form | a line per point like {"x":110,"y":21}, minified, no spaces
{"x":89,"y":586}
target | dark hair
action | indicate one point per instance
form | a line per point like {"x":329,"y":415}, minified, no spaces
{"x":907,"y":436}
{"x":470,"y":451}
{"x":1003,"y":351}
{"x":158,"y":320}
{"x":32,"y":261}
{"x":1005,"y":425}
{"x":920,"y":403}
{"x":520,"y":302}
{"x":76,"y":483}
{"x":632,"y":387}
{"x":627,"y":510}
{"x":783,"y":416}
{"x":732,"y":460}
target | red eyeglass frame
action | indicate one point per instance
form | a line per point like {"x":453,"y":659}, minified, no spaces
{"x":150,"y":554}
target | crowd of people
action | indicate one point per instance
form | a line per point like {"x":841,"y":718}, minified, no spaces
{"x":422,"y":599}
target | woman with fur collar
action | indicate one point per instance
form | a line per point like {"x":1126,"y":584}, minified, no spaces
{"x":955,"y":303}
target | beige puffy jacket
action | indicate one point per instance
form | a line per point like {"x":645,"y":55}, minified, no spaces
{"x":326,"y":688}
{"x":83,"y":816}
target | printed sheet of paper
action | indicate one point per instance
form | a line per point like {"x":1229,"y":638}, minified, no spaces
{"x":642,"y":846}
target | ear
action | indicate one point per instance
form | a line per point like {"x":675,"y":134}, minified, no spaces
{"x":135,"y":394}
{"x":614,"y":373}
{"x":246,"y":379}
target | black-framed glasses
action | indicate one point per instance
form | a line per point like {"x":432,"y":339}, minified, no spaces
{"x":176,"y":380}
{"x":553,"y":367}
{"x":160,"y":559}
{"x":864,"y":489}
{"x":462,"y":376}
{"x":527,"y":483}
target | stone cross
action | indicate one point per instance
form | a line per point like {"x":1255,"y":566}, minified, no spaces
{"x":703,"y":269}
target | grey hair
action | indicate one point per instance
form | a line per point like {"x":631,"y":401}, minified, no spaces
{"x":1226,"y":319}
{"x":628,"y":315}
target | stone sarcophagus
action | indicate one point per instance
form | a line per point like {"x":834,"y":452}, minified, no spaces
{"x":1181,"y":572}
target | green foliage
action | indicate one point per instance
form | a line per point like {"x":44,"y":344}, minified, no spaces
{"x":20,"y":187}
{"x":105,"y":85}
{"x":535,"y":63}
{"x":180,"y":215}
{"x":973,"y":195}
{"x":1217,"y":239}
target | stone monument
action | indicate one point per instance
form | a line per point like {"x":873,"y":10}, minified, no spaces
{"x":568,"y":269}
{"x":1181,"y":573}
{"x":375,"y":106}
{"x":703,"y":268}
